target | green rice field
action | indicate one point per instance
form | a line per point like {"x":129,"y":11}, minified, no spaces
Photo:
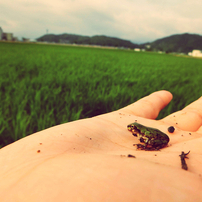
{"x":46,"y":85}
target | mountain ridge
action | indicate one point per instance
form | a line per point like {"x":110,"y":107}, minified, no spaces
{"x":179,"y":43}
{"x":101,"y":40}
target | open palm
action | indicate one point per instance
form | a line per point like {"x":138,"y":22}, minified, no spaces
{"x":87,"y":160}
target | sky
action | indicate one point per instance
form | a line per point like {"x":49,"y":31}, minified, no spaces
{"x":139,"y":21}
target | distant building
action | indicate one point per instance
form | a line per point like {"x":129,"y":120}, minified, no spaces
{"x":25,"y":39}
{"x":148,"y":46}
{"x":137,"y":49}
{"x":8,"y":36}
{"x":1,"y":33}
{"x":195,"y":53}
{"x":15,"y":39}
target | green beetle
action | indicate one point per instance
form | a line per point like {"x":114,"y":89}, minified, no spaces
{"x":152,"y":138}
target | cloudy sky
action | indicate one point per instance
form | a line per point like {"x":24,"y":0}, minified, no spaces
{"x":135,"y":20}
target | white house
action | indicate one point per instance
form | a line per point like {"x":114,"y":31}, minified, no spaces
{"x":137,"y":49}
{"x":195,"y":53}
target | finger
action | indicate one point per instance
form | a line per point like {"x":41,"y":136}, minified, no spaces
{"x":189,"y":119}
{"x":149,"y":106}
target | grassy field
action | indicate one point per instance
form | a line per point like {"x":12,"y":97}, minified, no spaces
{"x":46,"y":85}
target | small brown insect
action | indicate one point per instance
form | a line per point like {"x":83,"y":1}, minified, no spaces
{"x":130,"y":155}
{"x":183,"y":162}
{"x":38,"y":151}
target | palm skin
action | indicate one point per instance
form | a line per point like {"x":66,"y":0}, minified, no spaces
{"x":87,"y":160}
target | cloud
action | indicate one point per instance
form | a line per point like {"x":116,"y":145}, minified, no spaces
{"x":139,"y":21}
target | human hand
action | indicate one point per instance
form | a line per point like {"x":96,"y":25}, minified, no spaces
{"x":86,"y":160}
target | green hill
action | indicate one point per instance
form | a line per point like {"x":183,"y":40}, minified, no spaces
{"x":94,"y":40}
{"x":180,"y":43}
